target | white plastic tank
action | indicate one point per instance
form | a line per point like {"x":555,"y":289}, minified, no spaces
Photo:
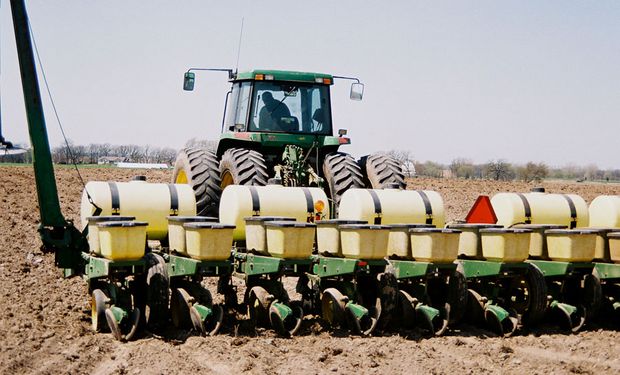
{"x":393,"y":206}
{"x":149,"y":202}
{"x":605,"y":211}
{"x":539,"y":207}
{"x":302,"y":203}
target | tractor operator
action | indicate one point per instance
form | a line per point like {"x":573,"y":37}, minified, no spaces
{"x":270,"y":116}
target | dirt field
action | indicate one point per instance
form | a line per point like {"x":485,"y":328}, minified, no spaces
{"x":45,"y":319}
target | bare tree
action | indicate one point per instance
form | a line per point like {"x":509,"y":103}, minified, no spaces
{"x":462,"y":168}
{"x":202,"y":143}
{"x":533,"y":172}
{"x":405,"y":159}
{"x":499,"y":170}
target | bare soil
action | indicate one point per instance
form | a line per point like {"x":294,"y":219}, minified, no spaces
{"x":45,"y":319}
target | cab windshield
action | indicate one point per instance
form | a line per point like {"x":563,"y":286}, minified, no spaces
{"x":290,"y":108}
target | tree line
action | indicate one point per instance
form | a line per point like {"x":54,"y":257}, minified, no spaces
{"x":102,"y":153}
{"x":501,"y":170}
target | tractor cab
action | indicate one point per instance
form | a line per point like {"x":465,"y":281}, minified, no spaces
{"x":280,"y":102}
{"x":278,"y":125}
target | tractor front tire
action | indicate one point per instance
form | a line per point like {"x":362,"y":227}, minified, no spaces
{"x":200,"y":169}
{"x":382,"y":171}
{"x":243,"y":167}
{"x":341,"y":173}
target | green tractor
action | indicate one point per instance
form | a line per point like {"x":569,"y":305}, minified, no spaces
{"x":278,"y":125}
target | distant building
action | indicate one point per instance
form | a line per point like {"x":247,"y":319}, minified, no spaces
{"x":111,"y":160}
{"x":142,"y":165}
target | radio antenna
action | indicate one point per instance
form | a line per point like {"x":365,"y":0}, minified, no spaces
{"x":239,"y":46}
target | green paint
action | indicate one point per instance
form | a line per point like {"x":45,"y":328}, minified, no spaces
{"x":329,"y":267}
{"x":430,"y":313}
{"x":97,"y":267}
{"x":484,"y":268}
{"x":119,"y":313}
{"x":183,"y":266}
{"x":204,"y":311}
{"x":358,"y":311}
{"x":498,"y":311}
{"x":251,"y":264}
{"x":608,"y":271}
{"x":554,"y":269}
{"x":283,"y":310}
{"x":570,"y":309}
{"x":57,"y":234}
{"x":283,"y":75}
{"x":480,"y":268}
{"x":280,"y":140}
{"x":405,"y":269}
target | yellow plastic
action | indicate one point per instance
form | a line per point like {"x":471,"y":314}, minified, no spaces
{"x":571,"y":245}
{"x":545,"y":209}
{"x":146,"y":201}
{"x":126,"y":242}
{"x":328,"y":235}
{"x":290,"y":240}
{"x":256,"y":233}
{"x":93,"y":230}
{"x":176,"y":231}
{"x":506,"y":245}
{"x":605,"y":211}
{"x":273,"y":200}
{"x":601,"y":250}
{"x":434,"y":245}
{"x":397,"y":206}
{"x":208,"y":241}
{"x":470,"y":245}
{"x":399,"y":243}
{"x":614,"y":246}
{"x":538,"y":240}
{"x":360,"y":241}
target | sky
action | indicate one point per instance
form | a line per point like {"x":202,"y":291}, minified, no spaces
{"x":482,"y":80}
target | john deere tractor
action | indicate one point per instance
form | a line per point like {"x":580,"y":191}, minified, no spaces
{"x":278,"y":125}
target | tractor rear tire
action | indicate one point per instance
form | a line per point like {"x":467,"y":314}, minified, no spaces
{"x":382,"y":171}
{"x":342,"y":173}
{"x":243,"y":167}
{"x":200,"y":169}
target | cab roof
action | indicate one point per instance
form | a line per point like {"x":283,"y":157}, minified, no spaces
{"x":284,"y":75}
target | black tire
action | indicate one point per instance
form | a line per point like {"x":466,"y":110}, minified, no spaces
{"x":341,"y":173}
{"x":592,"y":294}
{"x":382,"y":171}
{"x":243,"y":167}
{"x":157,"y":291}
{"x":537,"y":291}
{"x":200,"y":169}
{"x":457,"y":295}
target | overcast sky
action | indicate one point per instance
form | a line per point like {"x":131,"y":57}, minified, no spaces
{"x":515,"y":80}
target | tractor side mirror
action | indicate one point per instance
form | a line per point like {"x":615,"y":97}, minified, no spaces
{"x":188,"y":81}
{"x":357,"y":91}
{"x":342,"y":132}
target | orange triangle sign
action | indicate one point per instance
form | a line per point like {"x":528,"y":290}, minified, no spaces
{"x":482,"y":212}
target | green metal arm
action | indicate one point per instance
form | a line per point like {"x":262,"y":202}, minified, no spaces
{"x":57,"y":234}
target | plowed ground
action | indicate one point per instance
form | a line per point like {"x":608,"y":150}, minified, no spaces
{"x":45,"y":321}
